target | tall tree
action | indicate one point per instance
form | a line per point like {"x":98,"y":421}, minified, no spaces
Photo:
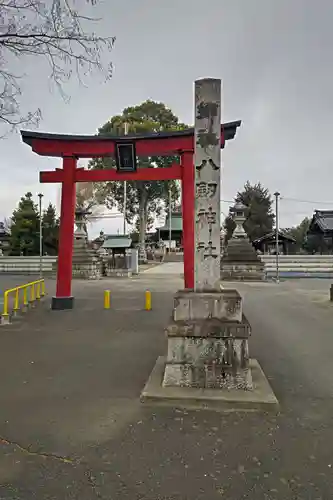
{"x":55,"y":31}
{"x":143,"y":198}
{"x":50,"y":224}
{"x":24,"y":238}
{"x":260,"y":218}
{"x":299,"y":233}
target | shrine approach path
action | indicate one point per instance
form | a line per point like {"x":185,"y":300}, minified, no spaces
{"x":72,"y":425}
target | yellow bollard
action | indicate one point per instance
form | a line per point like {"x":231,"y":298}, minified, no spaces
{"x":16,"y":301}
{"x":32,"y":295}
{"x":25,"y":298}
{"x":148,"y":300}
{"x":38,"y":291}
{"x":5,"y":318}
{"x":43,"y":288}
{"x":107,"y":299}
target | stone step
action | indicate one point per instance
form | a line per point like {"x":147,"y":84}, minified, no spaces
{"x":213,"y":376}
{"x":223,"y":304}
{"x":202,"y":351}
{"x":210,"y":327}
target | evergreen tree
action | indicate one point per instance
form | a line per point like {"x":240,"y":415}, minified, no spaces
{"x":24,"y":238}
{"x":300,"y":234}
{"x":50,"y":229}
{"x":260,"y":219}
{"x":144,"y":198}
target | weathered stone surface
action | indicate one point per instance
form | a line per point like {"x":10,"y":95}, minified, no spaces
{"x":119,"y":273}
{"x":207,"y":161}
{"x":208,"y":353}
{"x":220,"y":304}
{"x":209,"y":327}
{"x":206,"y":377}
{"x":207,"y":341}
{"x":196,"y":350}
{"x":242,"y":271}
{"x":260,"y":398}
{"x":86,"y":271}
{"x":86,"y":264}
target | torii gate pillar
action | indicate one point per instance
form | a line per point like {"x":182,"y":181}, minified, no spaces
{"x":197,"y":190}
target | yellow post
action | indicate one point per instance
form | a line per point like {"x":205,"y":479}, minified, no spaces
{"x":32,"y":294}
{"x":107,"y":299}
{"x":43,"y":289}
{"x":38,"y":290}
{"x":5,"y":318}
{"x":5,"y":303}
{"x":148,"y":300}
{"x":25,"y":298}
{"x":17,"y":300}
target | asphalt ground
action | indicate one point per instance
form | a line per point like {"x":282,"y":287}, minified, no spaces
{"x":72,"y":425}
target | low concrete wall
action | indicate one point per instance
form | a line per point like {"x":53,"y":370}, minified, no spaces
{"x":27,"y":265}
{"x":290,"y":266}
{"x":30,"y":265}
{"x":299,"y":266}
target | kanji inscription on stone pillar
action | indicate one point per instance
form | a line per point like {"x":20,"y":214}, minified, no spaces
{"x":207,"y":161}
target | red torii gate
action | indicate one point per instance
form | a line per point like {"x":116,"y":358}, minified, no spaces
{"x":72,"y":147}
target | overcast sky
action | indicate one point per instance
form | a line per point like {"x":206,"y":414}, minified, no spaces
{"x":275,"y":60}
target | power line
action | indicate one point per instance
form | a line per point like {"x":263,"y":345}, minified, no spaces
{"x":307,"y":201}
{"x":297,"y":200}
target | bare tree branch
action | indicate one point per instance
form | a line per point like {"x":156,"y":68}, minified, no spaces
{"x":53,"y":30}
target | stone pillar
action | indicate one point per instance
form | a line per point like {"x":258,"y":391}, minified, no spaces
{"x":207,"y":161}
{"x":208,"y":334}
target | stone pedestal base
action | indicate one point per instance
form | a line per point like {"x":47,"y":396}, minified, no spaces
{"x":62,"y":303}
{"x":119,"y":273}
{"x":240,"y":261}
{"x":242,"y":271}
{"x":208,"y":342}
{"x":89,"y":271}
{"x":261,"y":398}
{"x":207,"y":376}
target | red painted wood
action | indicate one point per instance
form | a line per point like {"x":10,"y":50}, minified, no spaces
{"x":188,"y":210}
{"x":66,"y":232}
{"x":142,"y":174}
{"x":51,"y":176}
{"x":164,"y":146}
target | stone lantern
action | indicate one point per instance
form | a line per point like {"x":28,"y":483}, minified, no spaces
{"x":86,"y":263}
{"x":238,"y":213}
{"x":240,"y":261}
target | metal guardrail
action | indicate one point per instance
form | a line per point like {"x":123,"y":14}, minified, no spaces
{"x":32,"y":292}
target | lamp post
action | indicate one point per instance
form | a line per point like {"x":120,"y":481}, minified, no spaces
{"x":40,"y":196}
{"x":125,"y":184}
{"x":170,"y":221}
{"x":277,"y":194}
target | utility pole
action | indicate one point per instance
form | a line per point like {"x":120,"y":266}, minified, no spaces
{"x":170,"y":228}
{"x":40,"y":196}
{"x":125,"y":184}
{"x":277,"y":194}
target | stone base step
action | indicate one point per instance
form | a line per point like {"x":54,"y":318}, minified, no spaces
{"x":261,"y":398}
{"x":209,"y":327}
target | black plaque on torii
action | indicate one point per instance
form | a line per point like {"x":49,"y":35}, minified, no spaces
{"x":126,"y":156}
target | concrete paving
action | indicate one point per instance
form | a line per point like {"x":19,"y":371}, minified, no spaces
{"x":169,"y":268}
{"x":72,"y":425}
